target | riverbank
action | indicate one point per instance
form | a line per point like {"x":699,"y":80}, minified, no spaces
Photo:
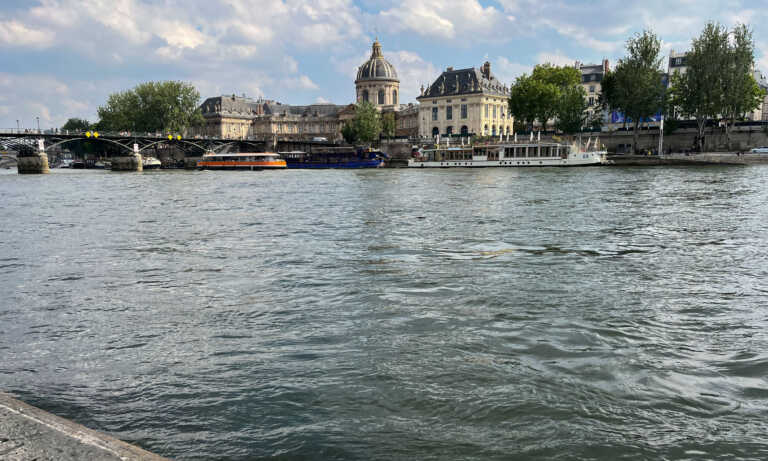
{"x":29,"y":433}
{"x":703,"y":158}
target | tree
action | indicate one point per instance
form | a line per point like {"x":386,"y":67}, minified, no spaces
{"x":571,"y":109}
{"x":169,"y":106}
{"x":741,"y":93}
{"x":635,"y":87}
{"x":698,"y":92}
{"x":388,"y":124}
{"x":77,"y":124}
{"x":365,"y":125}
{"x":544,"y":95}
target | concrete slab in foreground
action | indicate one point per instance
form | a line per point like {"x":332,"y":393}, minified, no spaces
{"x":28,"y":433}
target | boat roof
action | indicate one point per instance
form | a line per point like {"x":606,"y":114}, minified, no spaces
{"x":244,"y":154}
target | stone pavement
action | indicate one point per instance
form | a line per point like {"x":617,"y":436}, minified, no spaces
{"x":31,"y":434}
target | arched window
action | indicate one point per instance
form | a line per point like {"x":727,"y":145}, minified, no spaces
{"x":464,"y":130}
{"x":435,"y":131}
{"x":365,"y":95}
{"x":493,"y":130}
{"x":449,"y":130}
{"x":485,"y":130}
{"x":394,"y":96}
{"x":381,"y":96}
{"x":507,"y":130}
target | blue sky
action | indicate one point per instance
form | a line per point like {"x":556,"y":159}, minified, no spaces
{"x":62,"y":58}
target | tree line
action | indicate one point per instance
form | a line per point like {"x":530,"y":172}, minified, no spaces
{"x":718,"y":84}
{"x":167,"y":107}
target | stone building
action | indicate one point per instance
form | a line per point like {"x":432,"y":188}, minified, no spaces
{"x":377,"y":81}
{"x":465,"y":101}
{"x":407,"y":121}
{"x":230,"y":116}
{"x":239,"y":117}
{"x":591,"y":80}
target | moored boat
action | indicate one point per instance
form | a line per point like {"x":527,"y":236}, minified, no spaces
{"x":241,"y":161}
{"x":509,"y":155}
{"x":150,"y":163}
{"x":335,"y":158}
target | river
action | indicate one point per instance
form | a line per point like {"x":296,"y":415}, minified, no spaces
{"x":577,"y":313}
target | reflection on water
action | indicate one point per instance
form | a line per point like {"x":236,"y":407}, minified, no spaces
{"x":474,"y":314}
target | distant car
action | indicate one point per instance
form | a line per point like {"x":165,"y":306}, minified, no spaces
{"x":320,"y":139}
{"x":760,"y":150}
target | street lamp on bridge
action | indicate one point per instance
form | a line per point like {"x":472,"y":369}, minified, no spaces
{"x":18,"y":127}
{"x":38,"y":124}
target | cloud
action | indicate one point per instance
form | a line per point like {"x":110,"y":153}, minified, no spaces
{"x":14,"y":33}
{"x":443,"y":19}
{"x":302,"y":82}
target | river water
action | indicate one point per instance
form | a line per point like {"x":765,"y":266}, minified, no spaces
{"x":583,"y":313}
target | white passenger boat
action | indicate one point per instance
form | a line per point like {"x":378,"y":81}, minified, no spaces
{"x":509,"y":155}
{"x":150,"y":163}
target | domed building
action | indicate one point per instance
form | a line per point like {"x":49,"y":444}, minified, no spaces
{"x":377,"y":80}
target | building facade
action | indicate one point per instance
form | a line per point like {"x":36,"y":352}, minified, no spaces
{"x":465,"y":101}
{"x":239,"y":117}
{"x":407,"y":121}
{"x":591,"y":80}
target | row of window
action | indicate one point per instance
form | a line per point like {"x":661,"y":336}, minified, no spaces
{"x":463,"y":107}
{"x":465,"y":130}
{"x":381,"y":95}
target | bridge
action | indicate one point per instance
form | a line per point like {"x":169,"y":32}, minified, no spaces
{"x":125,"y":148}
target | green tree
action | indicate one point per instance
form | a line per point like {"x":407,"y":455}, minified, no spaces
{"x":635,"y":87}
{"x":349,"y":134}
{"x":571,"y":109}
{"x":698,"y":92}
{"x":388,"y":124}
{"x":168,"y":106}
{"x":545,"y":95}
{"x":741,"y":93}
{"x":366,"y":124}
{"x":77,"y":124}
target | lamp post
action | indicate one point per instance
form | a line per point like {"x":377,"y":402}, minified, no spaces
{"x":38,"y":124}
{"x":18,"y":127}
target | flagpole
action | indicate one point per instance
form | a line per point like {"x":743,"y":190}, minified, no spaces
{"x":661,"y":134}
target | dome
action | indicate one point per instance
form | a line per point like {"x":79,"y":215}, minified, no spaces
{"x":376,"y":68}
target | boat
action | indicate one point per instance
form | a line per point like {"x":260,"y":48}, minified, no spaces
{"x":78,"y":164}
{"x":242,"y":161}
{"x":335,"y":158}
{"x":66,"y":163}
{"x":150,"y":163}
{"x":509,"y":155}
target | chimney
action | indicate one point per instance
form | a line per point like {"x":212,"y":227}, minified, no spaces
{"x":487,"y":69}
{"x":606,"y":66}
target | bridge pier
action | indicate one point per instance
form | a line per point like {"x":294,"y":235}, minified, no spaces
{"x":36,"y":163}
{"x":127,"y":163}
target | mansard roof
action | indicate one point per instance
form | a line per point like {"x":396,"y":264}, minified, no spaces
{"x":464,"y":82}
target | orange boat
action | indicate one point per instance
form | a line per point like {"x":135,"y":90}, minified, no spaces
{"x":242,"y":161}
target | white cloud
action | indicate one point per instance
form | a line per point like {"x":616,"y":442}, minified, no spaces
{"x":14,"y":33}
{"x":447,"y":19}
{"x":302,"y":82}
{"x":557,"y":58}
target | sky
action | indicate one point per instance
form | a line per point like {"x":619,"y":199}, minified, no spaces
{"x":62,"y":58}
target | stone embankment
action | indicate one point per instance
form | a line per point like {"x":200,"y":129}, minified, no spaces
{"x":703,"y":158}
{"x":29,"y":433}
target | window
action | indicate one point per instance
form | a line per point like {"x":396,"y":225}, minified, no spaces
{"x":365,"y":95}
{"x":448,"y":101}
{"x":449,"y":130}
{"x":434,"y":113}
{"x":494,"y":111}
{"x":463,"y":111}
{"x":394,"y":96}
{"x":494,"y":130}
{"x":449,"y":113}
{"x":464,"y":130}
{"x":486,"y":111}
{"x":435,"y":131}
{"x":381,"y":96}
{"x":591,"y":88}
{"x":591,"y":101}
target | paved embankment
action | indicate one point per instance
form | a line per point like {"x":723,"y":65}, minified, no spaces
{"x":704,"y":158}
{"x":29,"y":433}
